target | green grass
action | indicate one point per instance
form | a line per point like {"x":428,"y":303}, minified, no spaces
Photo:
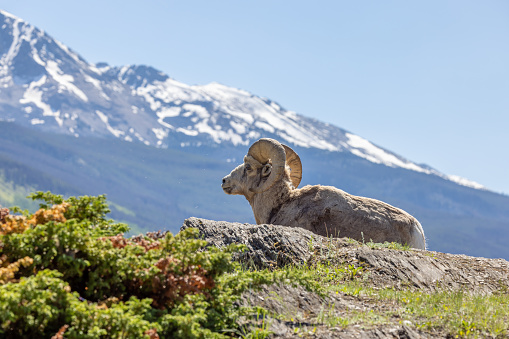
{"x":329,"y":317}
{"x":376,"y":245}
{"x":458,"y":313}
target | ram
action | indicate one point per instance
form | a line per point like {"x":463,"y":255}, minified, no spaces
{"x":269,"y":178}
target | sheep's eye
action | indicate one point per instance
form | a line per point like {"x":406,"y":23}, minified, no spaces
{"x":248,"y":167}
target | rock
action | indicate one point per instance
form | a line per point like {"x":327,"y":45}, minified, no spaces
{"x":271,"y":246}
{"x":267,"y":246}
{"x":305,"y":312}
{"x":304,"y":309}
{"x":434,"y":270}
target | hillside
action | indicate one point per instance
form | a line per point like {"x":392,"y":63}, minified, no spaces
{"x":164,"y":184}
{"x":12,"y":194}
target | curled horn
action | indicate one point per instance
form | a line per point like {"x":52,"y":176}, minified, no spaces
{"x":293,"y":160}
{"x":264,"y":150}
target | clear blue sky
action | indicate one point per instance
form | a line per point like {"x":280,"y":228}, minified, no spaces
{"x":428,"y":80}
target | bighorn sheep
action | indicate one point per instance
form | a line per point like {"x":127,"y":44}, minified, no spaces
{"x":269,"y":178}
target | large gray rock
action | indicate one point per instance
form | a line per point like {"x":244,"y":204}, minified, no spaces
{"x":267,"y":245}
{"x":270,"y":246}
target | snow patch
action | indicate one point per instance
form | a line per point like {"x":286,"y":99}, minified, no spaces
{"x":253,"y":135}
{"x":149,"y":98}
{"x":465,"y":182}
{"x":97,"y":84}
{"x":160,"y":133}
{"x":200,"y":111}
{"x":69,"y":52}
{"x":168,"y":112}
{"x":64,"y":80}
{"x":189,"y":132}
{"x":239,"y":128}
{"x":36,"y":57}
{"x":117,"y":133}
{"x":9,"y":15}
{"x":37,"y":122}
{"x":365,"y":149}
{"x":291,"y":115}
{"x":264,"y":126}
{"x":219,"y":135}
{"x":15,"y":45}
{"x":34,"y":95}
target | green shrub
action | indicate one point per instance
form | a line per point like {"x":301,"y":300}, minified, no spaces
{"x":40,"y":304}
{"x":72,"y":270}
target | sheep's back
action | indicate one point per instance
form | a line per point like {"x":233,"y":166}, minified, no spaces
{"x":326,"y":210}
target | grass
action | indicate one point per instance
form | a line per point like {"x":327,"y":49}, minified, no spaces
{"x":457,"y":314}
{"x":258,"y":328}
{"x":329,"y":317}
{"x":376,"y":245}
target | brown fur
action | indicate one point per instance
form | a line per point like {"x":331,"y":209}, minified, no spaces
{"x":324,"y":210}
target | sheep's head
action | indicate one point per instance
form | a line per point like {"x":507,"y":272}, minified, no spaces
{"x":264,"y":164}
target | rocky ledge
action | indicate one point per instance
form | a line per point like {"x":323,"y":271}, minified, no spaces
{"x":271,"y":246}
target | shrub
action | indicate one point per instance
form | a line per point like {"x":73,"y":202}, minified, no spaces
{"x":68,"y":270}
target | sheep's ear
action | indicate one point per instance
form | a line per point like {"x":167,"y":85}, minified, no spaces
{"x":266,"y":169}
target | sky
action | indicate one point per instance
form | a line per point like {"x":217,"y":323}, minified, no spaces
{"x":428,"y":80}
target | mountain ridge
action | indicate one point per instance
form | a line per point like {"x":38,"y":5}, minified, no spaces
{"x":60,"y":92}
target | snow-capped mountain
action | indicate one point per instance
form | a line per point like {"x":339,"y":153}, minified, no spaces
{"x":46,"y":85}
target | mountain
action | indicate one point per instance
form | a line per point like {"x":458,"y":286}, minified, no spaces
{"x":165,"y":145}
{"x":52,"y":88}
